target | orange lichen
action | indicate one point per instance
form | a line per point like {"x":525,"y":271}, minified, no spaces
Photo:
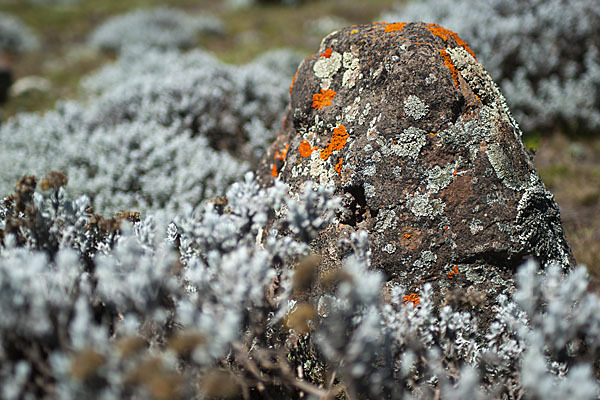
{"x":281,"y":155}
{"x":406,"y":236}
{"x":454,"y":172}
{"x":293,"y":82}
{"x":323,"y":99}
{"x":338,"y":141}
{"x":445,"y":34}
{"x":455,"y":271}
{"x":354,"y":31}
{"x":450,"y":66}
{"x":274,"y":171}
{"x":338,"y":166}
{"x":412,"y":298}
{"x":398,"y":26}
{"x":327,"y":52}
{"x":433,"y":133}
{"x":305,"y":149}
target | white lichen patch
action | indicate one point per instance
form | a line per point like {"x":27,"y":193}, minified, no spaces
{"x":426,"y":260}
{"x":431,"y":78}
{"x":439,"y":178}
{"x":350,"y":63}
{"x":422,"y":205}
{"x":389,"y":248}
{"x":321,"y":170}
{"x":409,"y":143}
{"x":386,"y":221}
{"x":475,"y":226}
{"x":415,"y":107}
{"x":362,"y":117}
{"x":474,"y":274}
{"x":369,"y":190}
{"x":351,"y":111}
{"x":369,"y":170}
{"x":397,"y":172}
{"x":326,"y":67}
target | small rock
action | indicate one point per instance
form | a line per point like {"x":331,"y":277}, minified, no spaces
{"x":416,"y":137}
{"x":30,"y":84}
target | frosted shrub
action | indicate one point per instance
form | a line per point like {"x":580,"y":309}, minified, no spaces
{"x":237,"y":108}
{"x":110,"y":293}
{"x":159,"y":27}
{"x":545,"y":55}
{"x":15,"y":37}
{"x":160,"y":131}
{"x":141,"y":165}
{"x":212,"y":305}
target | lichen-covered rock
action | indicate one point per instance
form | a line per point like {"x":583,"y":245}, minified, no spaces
{"x":419,"y":142}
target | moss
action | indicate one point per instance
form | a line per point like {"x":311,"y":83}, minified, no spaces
{"x":532,"y":140}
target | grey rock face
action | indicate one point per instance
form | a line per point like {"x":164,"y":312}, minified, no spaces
{"x":418,"y":140}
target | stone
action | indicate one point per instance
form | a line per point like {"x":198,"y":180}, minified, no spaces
{"x":30,"y":84}
{"x":5,"y":77}
{"x":418,"y":141}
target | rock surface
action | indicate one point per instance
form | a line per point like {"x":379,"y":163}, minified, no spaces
{"x":418,"y":140}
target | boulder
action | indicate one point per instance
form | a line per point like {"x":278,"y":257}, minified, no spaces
{"x":417,"y":139}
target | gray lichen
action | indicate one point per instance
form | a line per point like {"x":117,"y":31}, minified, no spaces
{"x":409,"y":143}
{"x":415,"y":108}
{"x":422,"y":205}
{"x":439,"y":178}
{"x":426,"y":260}
{"x":503,"y":167}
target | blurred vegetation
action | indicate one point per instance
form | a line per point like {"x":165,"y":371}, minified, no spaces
{"x":570,"y":167}
{"x":63,"y":30}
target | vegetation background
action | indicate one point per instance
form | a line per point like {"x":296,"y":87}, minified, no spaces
{"x":569,"y":165}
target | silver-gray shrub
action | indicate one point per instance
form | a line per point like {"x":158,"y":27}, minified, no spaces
{"x":66,"y":312}
{"x":113,"y":314}
{"x":545,"y":55}
{"x":15,"y":37}
{"x":238,"y":108}
{"x":160,"y":27}
{"x":159,"y":131}
{"x":134,"y":165}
